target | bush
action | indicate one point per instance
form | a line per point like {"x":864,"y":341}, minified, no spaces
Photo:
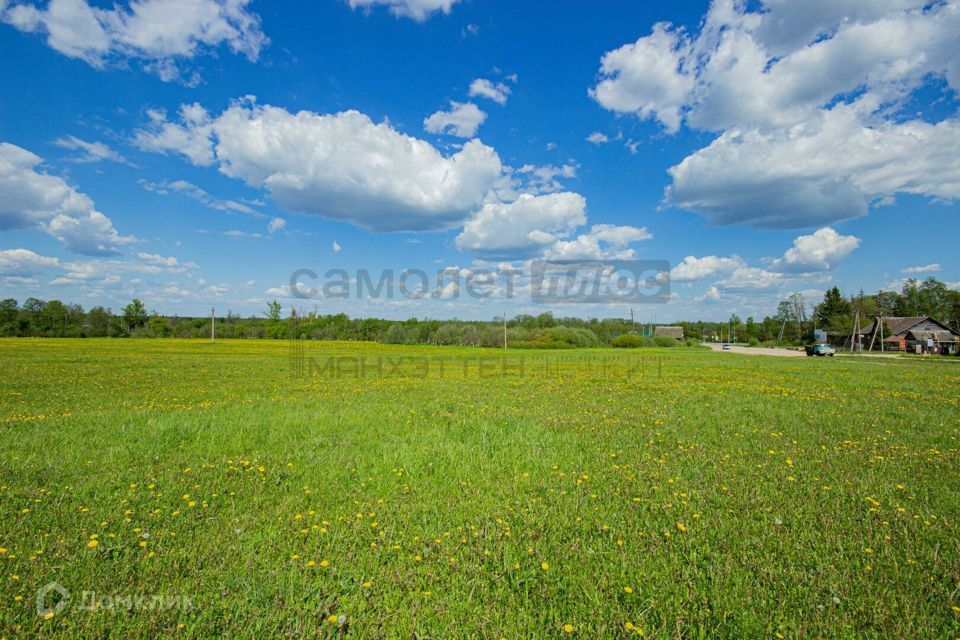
{"x":753,"y":342}
{"x":627,"y":341}
{"x":664,"y":341}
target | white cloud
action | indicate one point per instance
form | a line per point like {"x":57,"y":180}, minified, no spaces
{"x":279,"y":292}
{"x":462,"y":120}
{"x":750,"y":278}
{"x":342,"y":166}
{"x":523,"y":226}
{"x":647,"y":77}
{"x":158,"y":32}
{"x":810,"y":101}
{"x":198,"y":194}
{"x":486,"y":89}
{"x":167,"y":264}
{"x":31,"y":199}
{"x":597,"y":138}
{"x":712,"y":293}
{"x":692,"y":268}
{"x":335,"y":246}
{"x":89,"y":151}
{"x":192,"y":136}
{"x":536,"y":179}
{"x":602,"y":242}
{"x":933,"y":267}
{"x":418,"y":10}
{"x":820,"y":251}
{"x":276,"y":224}
{"x":830,"y":169}
{"x":23,"y":262}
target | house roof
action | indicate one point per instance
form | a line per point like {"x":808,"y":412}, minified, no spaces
{"x":901,"y":324}
{"x":938,"y":336}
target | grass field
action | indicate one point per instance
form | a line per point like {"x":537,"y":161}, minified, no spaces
{"x":360,"y":490}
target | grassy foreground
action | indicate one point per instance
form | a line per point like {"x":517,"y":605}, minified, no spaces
{"x":368,"y":491}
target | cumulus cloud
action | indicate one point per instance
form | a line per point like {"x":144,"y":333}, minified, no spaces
{"x":158,"y":32}
{"x":712,"y":294}
{"x":98,"y":272}
{"x":751,"y":279}
{"x":498,"y":92}
{"x":335,"y":246}
{"x":692,"y":268}
{"x":88,"y":151}
{"x":808,"y":100}
{"x":192,"y":136}
{"x":820,"y":251}
{"x":341,"y":166}
{"x":276,"y":224}
{"x":647,"y":77}
{"x":418,"y":10}
{"x":601,"y":242}
{"x":528,"y":224}
{"x":933,"y":267}
{"x":32,"y":199}
{"x":828,"y":170}
{"x":598,"y":138}
{"x":462,"y":120}
{"x":23,"y":262}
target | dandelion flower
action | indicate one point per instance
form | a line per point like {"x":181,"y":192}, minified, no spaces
{"x":568,"y":628}
{"x":92,"y":544}
{"x":545,"y":566}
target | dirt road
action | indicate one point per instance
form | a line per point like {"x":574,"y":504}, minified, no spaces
{"x":759,"y":351}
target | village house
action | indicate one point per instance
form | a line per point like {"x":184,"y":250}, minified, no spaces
{"x":671,"y":332}
{"x":914,"y":334}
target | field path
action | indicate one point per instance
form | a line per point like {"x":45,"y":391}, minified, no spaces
{"x":758,"y":351}
{"x":786,"y":353}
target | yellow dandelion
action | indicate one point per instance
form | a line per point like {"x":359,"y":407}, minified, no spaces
{"x":545,"y":566}
{"x":682,"y":528}
{"x":568,"y":628}
{"x":628,"y":589}
{"x":92,"y":544}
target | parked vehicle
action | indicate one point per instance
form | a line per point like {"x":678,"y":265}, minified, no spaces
{"x":726,"y":346}
{"x":820,"y":350}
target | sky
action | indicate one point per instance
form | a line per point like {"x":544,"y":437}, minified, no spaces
{"x":200,"y":153}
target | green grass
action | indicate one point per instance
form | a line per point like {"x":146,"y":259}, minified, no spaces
{"x":467,"y":493}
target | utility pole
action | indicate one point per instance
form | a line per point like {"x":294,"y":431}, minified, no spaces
{"x":504,"y":330}
{"x":631,"y":318}
{"x":213,"y":325}
{"x":880,"y":326}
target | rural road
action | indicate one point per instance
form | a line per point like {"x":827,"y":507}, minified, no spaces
{"x":759,"y":351}
{"x":786,"y":353}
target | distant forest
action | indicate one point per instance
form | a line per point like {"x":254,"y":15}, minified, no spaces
{"x":792,"y":324}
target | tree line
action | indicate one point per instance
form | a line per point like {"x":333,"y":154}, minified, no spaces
{"x":793,"y":323}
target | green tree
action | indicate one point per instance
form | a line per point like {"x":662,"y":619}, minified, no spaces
{"x":135,"y":314}
{"x":273,"y":311}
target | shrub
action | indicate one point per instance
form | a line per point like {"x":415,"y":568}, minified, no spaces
{"x":664,"y":341}
{"x":627,"y":341}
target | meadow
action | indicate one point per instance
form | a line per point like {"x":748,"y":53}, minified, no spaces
{"x":253,"y":489}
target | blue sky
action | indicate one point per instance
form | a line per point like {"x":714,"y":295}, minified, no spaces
{"x":194,"y":153}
